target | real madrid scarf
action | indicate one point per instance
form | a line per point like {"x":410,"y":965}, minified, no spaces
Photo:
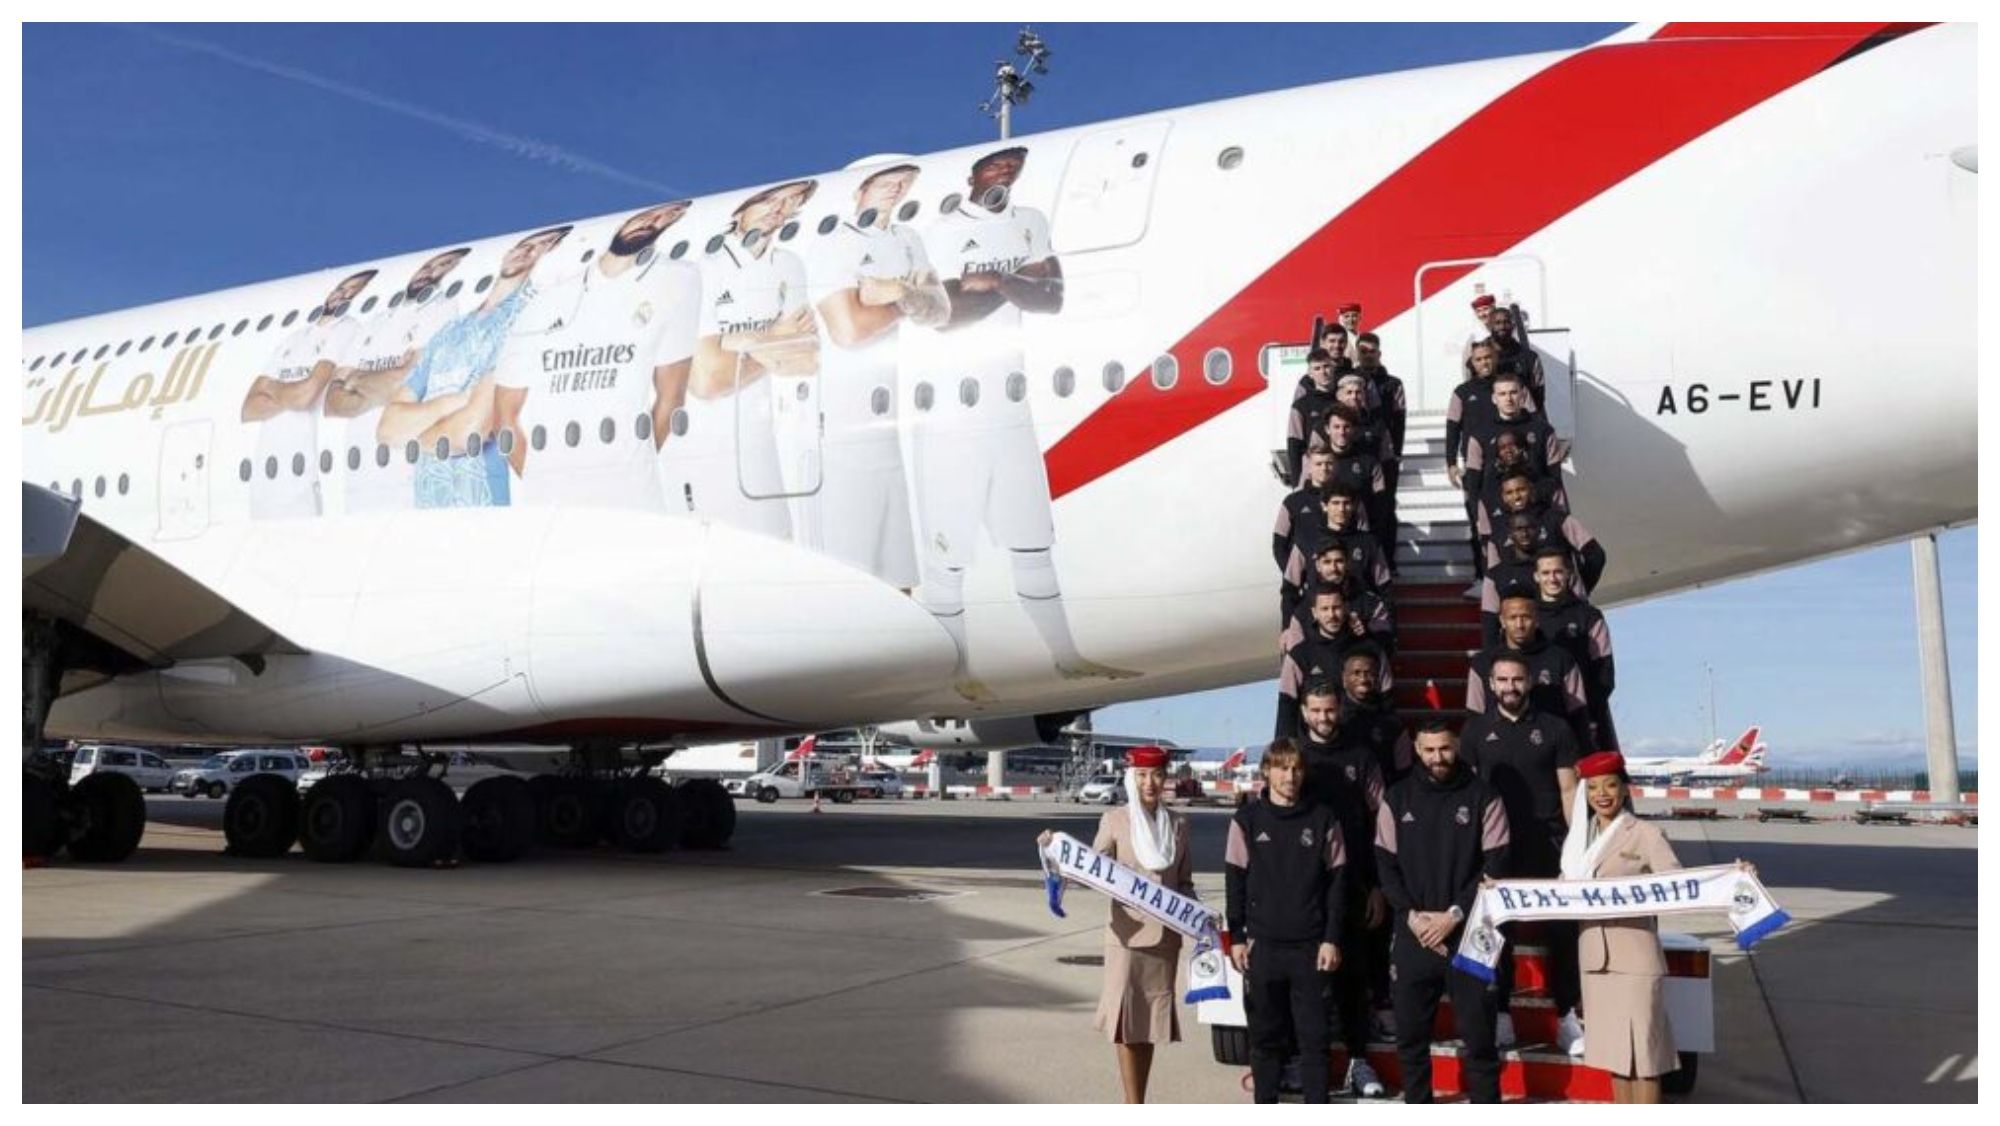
{"x":1069,"y":859}
{"x":1724,"y":887}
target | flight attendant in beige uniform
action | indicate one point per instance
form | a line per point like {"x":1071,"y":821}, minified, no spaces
{"x":1136,"y":1009}
{"x":1623,"y":967}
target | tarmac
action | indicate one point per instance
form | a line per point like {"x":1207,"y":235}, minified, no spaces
{"x":187,"y":975}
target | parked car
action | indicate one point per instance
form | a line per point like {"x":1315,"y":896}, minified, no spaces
{"x":1102,"y":789}
{"x":149,"y":770}
{"x":881,"y":784}
{"x":214,"y":776}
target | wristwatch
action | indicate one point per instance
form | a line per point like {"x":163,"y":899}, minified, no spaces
{"x":1457,"y":913}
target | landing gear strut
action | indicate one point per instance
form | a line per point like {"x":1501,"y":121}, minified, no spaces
{"x":101,"y":819}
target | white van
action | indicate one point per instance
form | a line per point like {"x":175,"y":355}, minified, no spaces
{"x":216,"y":775}
{"x":149,"y":770}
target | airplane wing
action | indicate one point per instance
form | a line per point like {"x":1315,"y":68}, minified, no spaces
{"x":142,"y":611}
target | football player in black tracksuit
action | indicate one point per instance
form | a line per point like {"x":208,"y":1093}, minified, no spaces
{"x":1367,"y":713}
{"x":1555,"y":684}
{"x":1517,"y":356}
{"x":1368,"y":613}
{"x":1514,"y":573}
{"x":1285,"y":872}
{"x":1310,"y":401}
{"x":1357,"y":467}
{"x":1392,"y":411}
{"x":1302,"y":514}
{"x":1438,"y":833}
{"x":1365,"y":565}
{"x":1518,"y":494}
{"x":1471,"y":404}
{"x":1529,"y":758}
{"x":1317,"y":654}
{"x":1341,"y":774}
{"x":1542,"y":451}
{"x":1580,"y":630}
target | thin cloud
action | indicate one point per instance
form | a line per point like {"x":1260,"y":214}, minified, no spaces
{"x":527,"y":147}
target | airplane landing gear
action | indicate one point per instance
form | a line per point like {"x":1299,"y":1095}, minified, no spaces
{"x":262,"y":817}
{"x":100,"y":819}
{"x":337,"y":819}
{"x":499,"y":818}
{"x":420,"y":823}
{"x":643,"y":815}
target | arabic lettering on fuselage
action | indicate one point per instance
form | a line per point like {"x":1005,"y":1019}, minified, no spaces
{"x":78,"y":396}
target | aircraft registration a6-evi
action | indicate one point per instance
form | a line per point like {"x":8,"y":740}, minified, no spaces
{"x":988,"y":432}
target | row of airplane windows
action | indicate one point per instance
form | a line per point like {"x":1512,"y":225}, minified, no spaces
{"x":1229,"y":159}
{"x":1217,"y":369}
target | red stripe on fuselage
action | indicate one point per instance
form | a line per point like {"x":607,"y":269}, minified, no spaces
{"x":1528,"y":158}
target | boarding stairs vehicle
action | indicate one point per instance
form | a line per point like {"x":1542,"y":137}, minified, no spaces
{"x":1532,"y":1069}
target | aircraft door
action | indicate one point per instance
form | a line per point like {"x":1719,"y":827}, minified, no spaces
{"x":1445,"y":328}
{"x":183,"y":480}
{"x":1106,"y":198}
{"x":781,"y":431}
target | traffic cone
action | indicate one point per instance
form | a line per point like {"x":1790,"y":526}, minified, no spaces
{"x":815,"y":801}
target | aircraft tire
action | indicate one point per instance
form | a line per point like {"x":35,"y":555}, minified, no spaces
{"x":419,"y":824}
{"x":109,"y":818}
{"x":499,"y":819}
{"x":337,"y":819}
{"x":643,"y":815}
{"x":41,"y":817}
{"x":708,"y":814}
{"x":565,"y":810}
{"x":262,"y":817}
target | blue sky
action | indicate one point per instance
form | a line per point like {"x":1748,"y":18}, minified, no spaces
{"x":168,"y":160}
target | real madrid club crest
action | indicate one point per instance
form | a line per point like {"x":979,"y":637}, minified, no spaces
{"x":1485,"y":942}
{"x":1208,"y":963}
{"x":1463,"y":816}
{"x":1306,"y":837}
{"x":643,"y":313}
{"x":1535,"y":736}
{"x":1546,"y":677}
{"x":1352,"y":773}
{"x":1744,"y":899}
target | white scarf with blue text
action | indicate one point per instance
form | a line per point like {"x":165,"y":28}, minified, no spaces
{"x":1067,"y":859}
{"x":1727,"y":888}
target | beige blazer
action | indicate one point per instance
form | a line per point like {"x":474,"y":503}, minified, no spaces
{"x":1628,"y":946}
{"x":1129,"y":928}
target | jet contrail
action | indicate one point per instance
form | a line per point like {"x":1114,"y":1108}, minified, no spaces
{"x":468,"y":130}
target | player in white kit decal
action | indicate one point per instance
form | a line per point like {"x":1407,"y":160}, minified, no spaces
{"x":869,"y":275}
{"x":286,"y":399}
{"x":978,"y":463}
{"x":606,"y":354}
{"x":721,"y":458}
{"x":378,"y":478}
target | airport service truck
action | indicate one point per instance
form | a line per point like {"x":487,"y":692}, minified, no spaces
{"x":805,"y":778}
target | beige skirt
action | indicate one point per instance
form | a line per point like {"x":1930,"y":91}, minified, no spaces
{"x":1137,"y":1005}
{"x":1625,"y":1029}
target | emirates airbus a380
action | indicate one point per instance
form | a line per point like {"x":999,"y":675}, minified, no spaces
{"x":978,"y":434}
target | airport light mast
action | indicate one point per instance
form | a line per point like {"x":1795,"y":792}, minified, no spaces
{"x":1011,"y":86}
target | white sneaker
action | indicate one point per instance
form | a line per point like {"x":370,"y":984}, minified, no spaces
{"x":1503,"y":1031}
{"x":1569,"y":1035}
{"x":1362,"y":1080}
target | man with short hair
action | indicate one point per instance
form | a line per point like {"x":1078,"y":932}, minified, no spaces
{"x":1580,"y":630}
{"x":1438,"y":834}
{"x":1310,"y":401}
{"x":1370,"y":715}
{"x":1369,"y":614}
{"x":1341,"y":774}
{"x":1545,"y":451}
{"x":286,"y":400}
{"x":1519,"y":492}
{"x":1335,"y":341}
{"x":1316,"y":653}
{"x":1552,"y":680}
{"x":1528,"y":757}
{"x":379,"y":478}
{"x":1341,"y":525}
{"x":1284,"y":871}
{"x":1482,"y":309}
{"x":1302,"y":514}
{"x":1516,"y":355}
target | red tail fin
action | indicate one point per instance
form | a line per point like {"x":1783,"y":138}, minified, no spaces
{"x":1741,"y":750}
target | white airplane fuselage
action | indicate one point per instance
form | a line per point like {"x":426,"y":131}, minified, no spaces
{"x":1770,"y":323}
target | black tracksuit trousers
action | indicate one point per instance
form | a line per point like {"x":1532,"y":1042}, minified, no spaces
{"x":1284,"y":999}
{"x":1418,"y":978}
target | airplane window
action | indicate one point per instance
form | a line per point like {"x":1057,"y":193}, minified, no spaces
{"x":788,"y":231}
{"x":100,"y":486}
{"x":507,"y":440}
{"x":294,"y":315}
{"x":538,"y":437}
{"x":271,"y":468}
{"x":298,"y":465}
{"x":76,"y":488}
{"x":1114,"y":377}
{"x":1139,"y":160}
{"x":243,"y":470}
{"x":411,"y":450}
{"x":1065,"y":381}
{"x":367,"y":306}
{"x":215,"y":332}
{"x":642,"y":426}
{"x":968,"y":391}
{"x":472,"y":445}
{"x":606,"y":431}
{"x":827,"y":224}
{"x":37,"y":363}
{"x":125,"y":347}
{"x":55,"y":486}
{"x":443,"y":448}
{"x":145,"y":344}
{"x":879,"y":401}
{"x":313,"y":313}
{"x":240,"y":326}
{"x":1216,"y":366}
{"x":949,"y":204}
{"x":680,"y":249}
{"x":572,"y":434}
{"x":395,"y":299}
{"x":587,"y":255}
{"x":714,"y":244}
{"x":677,"y":422}
{"x":925,"y":395}
{"x":485,"y":283}
{"x":101,"y":349}
{"x":382,"y":454}
{"x":266,"y":322}
{"x":1017,"y":386}
{"x":326,"y":461}
{"x":124,"y":483}
{"x":867,"y":218}
{"x":1228,"y":159}
{"x":452,"y":289}
{"x":1166,"y":371}
{"x":170,"y":338}
{"x":909,"y":210}
{"x":353,"y":458}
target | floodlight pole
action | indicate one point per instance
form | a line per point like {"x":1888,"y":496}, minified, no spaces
{"x":1940,"y":734}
